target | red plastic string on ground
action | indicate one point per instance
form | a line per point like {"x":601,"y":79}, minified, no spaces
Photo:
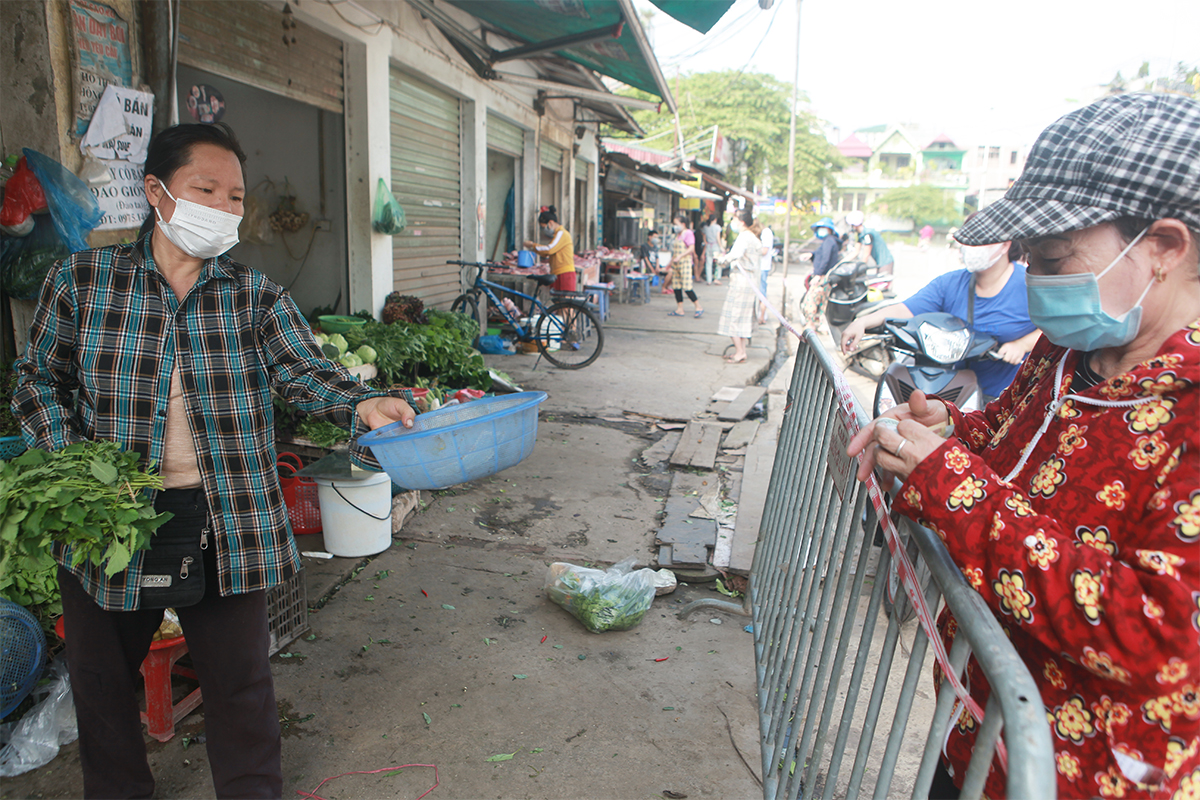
{"x":314,"y":796}
{"x":543,"y":641}
{"x":425,"y":593}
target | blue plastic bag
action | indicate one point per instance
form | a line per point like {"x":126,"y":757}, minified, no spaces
{"x":73,"y":207}
{"x":495,"y":346}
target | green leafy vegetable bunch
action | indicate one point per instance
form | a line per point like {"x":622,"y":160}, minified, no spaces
{"x":410,"y":354}
{"x":89,"y":495}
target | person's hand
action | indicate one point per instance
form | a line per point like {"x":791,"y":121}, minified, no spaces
{"x":380,"y":411}
{"x":1011,"y":352}
{"x":806,"y":256}
{"x":878,"y":444}
{"x":851,"y":335}
{"x":528,"y":244}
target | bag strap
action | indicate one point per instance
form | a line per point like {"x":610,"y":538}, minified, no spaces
{"x":971,"y":303}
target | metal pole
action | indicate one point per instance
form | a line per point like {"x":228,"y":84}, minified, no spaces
{"x":791,"y":181}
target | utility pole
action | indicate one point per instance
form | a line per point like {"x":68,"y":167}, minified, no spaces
{"x":791,"y":180}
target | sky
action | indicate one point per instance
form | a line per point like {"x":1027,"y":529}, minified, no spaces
{"x":983,"y":73}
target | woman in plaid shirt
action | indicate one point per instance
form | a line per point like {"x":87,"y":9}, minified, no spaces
{"x":171,"y":349}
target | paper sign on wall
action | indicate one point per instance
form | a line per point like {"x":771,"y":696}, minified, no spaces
{"x":123,"y":201}
{"x":120,"y":127}
{"x":100,"y":56}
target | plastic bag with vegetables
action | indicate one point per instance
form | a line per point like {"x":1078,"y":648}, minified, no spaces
{"x":615,"y":599}
{"x":389,"y":216}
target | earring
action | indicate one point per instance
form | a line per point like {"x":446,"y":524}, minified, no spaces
{"x":1160,"y":274}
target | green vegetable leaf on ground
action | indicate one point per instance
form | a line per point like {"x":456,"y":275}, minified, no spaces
{"x":501,"y":757}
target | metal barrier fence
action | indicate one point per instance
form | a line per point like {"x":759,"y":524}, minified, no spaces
{"x":814,"y":630}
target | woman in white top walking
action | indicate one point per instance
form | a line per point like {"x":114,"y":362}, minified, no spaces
{"x":737,"y":315}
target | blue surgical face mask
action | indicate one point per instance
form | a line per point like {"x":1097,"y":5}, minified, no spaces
{"x":1068,"y":309}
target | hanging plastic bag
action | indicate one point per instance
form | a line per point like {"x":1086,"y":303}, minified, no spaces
{"x":24,"y":261}
{"x":23,"y":197}
{"x":389,"y":216}
{"x":613,"y":600}
{"x":72,"y":204}
{"x":33,"y":740}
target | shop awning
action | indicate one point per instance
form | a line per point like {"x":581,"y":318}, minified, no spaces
{"x":681,"y":189}
{"x":602,"y":35}
{"x":731,"y":189}
{"x":698,"y":14}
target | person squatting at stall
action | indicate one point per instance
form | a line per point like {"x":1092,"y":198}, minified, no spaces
{"x":560,"y":251}
{"x":683,"y":253}
{"x":1072,"y":503}
{"x":171,"y":349}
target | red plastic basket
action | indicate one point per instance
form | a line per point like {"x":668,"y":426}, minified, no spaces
{"x":300,"y":495}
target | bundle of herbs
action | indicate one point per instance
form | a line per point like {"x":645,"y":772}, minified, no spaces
{"x":89,"y":495}
{"x":292,"y":422}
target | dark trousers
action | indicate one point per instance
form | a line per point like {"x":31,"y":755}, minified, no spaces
{"x":228,"y":640}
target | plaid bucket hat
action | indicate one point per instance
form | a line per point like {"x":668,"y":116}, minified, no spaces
{"x":1131,"y":155}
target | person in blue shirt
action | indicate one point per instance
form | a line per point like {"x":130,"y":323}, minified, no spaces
{"x":1001,"y":310}
{"x":870,"y":244}
{"x":823,"y":259}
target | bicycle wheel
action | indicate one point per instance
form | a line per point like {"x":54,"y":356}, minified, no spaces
{"x":468,"y":303}
{"x":569,"y":335}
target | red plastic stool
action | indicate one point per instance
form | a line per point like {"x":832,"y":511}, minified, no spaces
{"x":160,"y":715}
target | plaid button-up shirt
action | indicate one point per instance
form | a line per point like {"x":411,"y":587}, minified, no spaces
{"x":105,"y":338}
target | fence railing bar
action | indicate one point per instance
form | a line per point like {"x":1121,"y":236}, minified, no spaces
{"x":985,"y":748}
{"x":879,"y":685}
{"x":916,"y":666}
{"x":833,"y":650}
{"x":960,"y":651}
{"x":818,"y":624}
{"x":849,"y":614}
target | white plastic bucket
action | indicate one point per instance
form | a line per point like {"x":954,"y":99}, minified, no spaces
{"x":356,"y":515}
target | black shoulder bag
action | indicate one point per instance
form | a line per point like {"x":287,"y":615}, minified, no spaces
{"x":173,"y":567}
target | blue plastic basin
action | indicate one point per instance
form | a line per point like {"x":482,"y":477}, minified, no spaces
{"x":458,"y":443}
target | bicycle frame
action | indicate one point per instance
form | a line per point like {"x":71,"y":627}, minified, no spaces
{"x":487,"y":288}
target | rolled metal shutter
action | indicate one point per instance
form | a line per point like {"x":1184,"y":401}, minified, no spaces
{"x":552,"y":157}
{"x":581,"y":169}
{"x":426,"y":180}
{"x":244,"y":41}
{"x":504,"y":136}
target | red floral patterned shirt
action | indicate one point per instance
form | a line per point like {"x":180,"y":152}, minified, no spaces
{"x":1088,"y":555}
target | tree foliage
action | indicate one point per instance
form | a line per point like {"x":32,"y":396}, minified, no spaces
{"x":923,"y":204}
{"x":752,"y":112}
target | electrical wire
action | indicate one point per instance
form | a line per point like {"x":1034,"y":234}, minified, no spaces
{"x":714,"y":39}
{"x":379,"y":24}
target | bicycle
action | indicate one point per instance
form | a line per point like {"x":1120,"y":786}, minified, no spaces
{"x":568,"y":333}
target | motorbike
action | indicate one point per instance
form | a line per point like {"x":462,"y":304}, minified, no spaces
{"x":854,"y":288}
{"x":927,"y":353}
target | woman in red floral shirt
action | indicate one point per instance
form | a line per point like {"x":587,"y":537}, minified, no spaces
{"x":1072,"y":503}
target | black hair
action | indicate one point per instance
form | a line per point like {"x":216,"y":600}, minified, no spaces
{"x":171,"y":148}
{"x":682,"y":217}
{"x":548,"y":214}
{"x":746,"y":215}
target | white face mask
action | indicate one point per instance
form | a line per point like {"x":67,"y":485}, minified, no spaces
{"x":199,"y":231}
{"x":977,"y":259}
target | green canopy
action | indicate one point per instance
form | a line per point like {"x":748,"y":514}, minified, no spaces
{"x":698,"y":14}
{"x":626,"y":58}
